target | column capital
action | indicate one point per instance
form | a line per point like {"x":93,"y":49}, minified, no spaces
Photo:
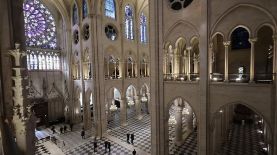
{"x":227,"y":43}
{"x":252,"y":40}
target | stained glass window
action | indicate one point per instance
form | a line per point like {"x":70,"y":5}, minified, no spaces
{"x":41,"y":35}
{"x":85,"y":9}
{"x":110,"y":8}
{"x":34,"y":62}
{"x":143,"y":26}
{"x":40,"y":28}
{"x":129,"y":25}
{"x":41,"y":61}
{"x":75,"y":14}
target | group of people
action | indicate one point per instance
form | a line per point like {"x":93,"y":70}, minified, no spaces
{"x":130,"y":136}
{"x":106,"y":143}
{"x":63,"y":129}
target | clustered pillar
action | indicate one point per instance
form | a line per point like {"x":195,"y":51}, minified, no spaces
{"x":23,"y":117}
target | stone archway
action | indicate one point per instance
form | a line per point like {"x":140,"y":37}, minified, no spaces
{"x":239,"y":123}
{"x":113,"y":108}
{"x":181,"y":127}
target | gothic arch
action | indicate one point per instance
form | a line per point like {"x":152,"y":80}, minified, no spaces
{"x":186,"y":28}
{"x":261,"y":26}
{"x":242,"y":26}
{"x":169,"y":104}
{"x":230,"y":11}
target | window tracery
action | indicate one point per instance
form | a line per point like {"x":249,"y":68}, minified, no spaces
{"x":143,"y":28}
{"x":75,"y":14}
{"x":110,"y":10}
{"x":85,"y":9}
{"x":40,"y":28}
{"x":129,"y":23}
{"x":41,"y":36}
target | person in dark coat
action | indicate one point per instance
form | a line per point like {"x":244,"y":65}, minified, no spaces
{"x":128,"y":137}
{"x":53,"y":129}
{"x":106,"y":145}
{"x":71,"y":127}
{"x":132,"y":138}
{"x":95,"y":145}
{"x":83,"y":134}
{"x":134,"y":152}
{"x":61,"y":130}
{"x":64,"y":128}
{"x":109,"y":146}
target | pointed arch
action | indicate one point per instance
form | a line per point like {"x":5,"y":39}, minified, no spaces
{"x":110,"y":9}
{"x":129,"y":22}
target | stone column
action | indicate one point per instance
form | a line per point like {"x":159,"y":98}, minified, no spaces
{"x":227,"y":46}
{"x":195,"y":63}
{"x":252,"y":59}
{"x":274,"y":71}
{"x":189,"y":119}
{"x":132,"y":69}
{"x":23,"y":117}
{"x":148,"y":103}
{"x":188,"y":68}
{"x":145,"y":69}
{"x":138,"y":107}
{"x":123,"y":112}
{"x":115,"y":67}
{"x":165,"y":64}
{"x":211,"y":60}
{"x":274,"y":55}
{"x":108,"y":69}
{"x":178,"y":126}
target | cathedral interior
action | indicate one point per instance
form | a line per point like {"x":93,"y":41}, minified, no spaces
{"x":83,"y":77}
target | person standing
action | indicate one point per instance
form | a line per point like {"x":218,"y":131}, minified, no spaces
{"x":95,"y":145}
{"x":71,"y":126}
{"x":134,"y":152}
{"x":106,"y":146}
{"x":83,"y":134}
{"x":109,"y":146}
{"x":128,"y":137}
{"x":64,"y":128}
{"x":61,"y":130}
{"x":132,"y":138}
{"x":53,"y":129}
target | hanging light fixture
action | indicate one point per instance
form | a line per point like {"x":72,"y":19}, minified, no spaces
{"x":131,"y":102}
{"x":113,"y":108}
{"x":185,"y":111}
{"x":172,"y":120}
{"x":144,"y":99}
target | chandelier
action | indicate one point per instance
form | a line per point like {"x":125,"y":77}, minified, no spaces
{"x":131,"y":102}
{"x":144,"y":99}
{"x":113,"y":107}
{"x":185,"y":111}
{"x":172,"y":120}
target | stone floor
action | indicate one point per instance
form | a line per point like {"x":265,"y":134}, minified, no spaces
{"x":71,"y":142}
{"x":243,"y":140}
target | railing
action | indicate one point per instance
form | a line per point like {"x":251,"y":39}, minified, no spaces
{"x":143,"y":76}
{"x":112,"y":77}
{"x":264,"y":78}
{"x":242,"y":78}
{"x":131,"y":77}
{"x":217,"y":77}
{"x":239,"y":78}
{"x":181,"y":77}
